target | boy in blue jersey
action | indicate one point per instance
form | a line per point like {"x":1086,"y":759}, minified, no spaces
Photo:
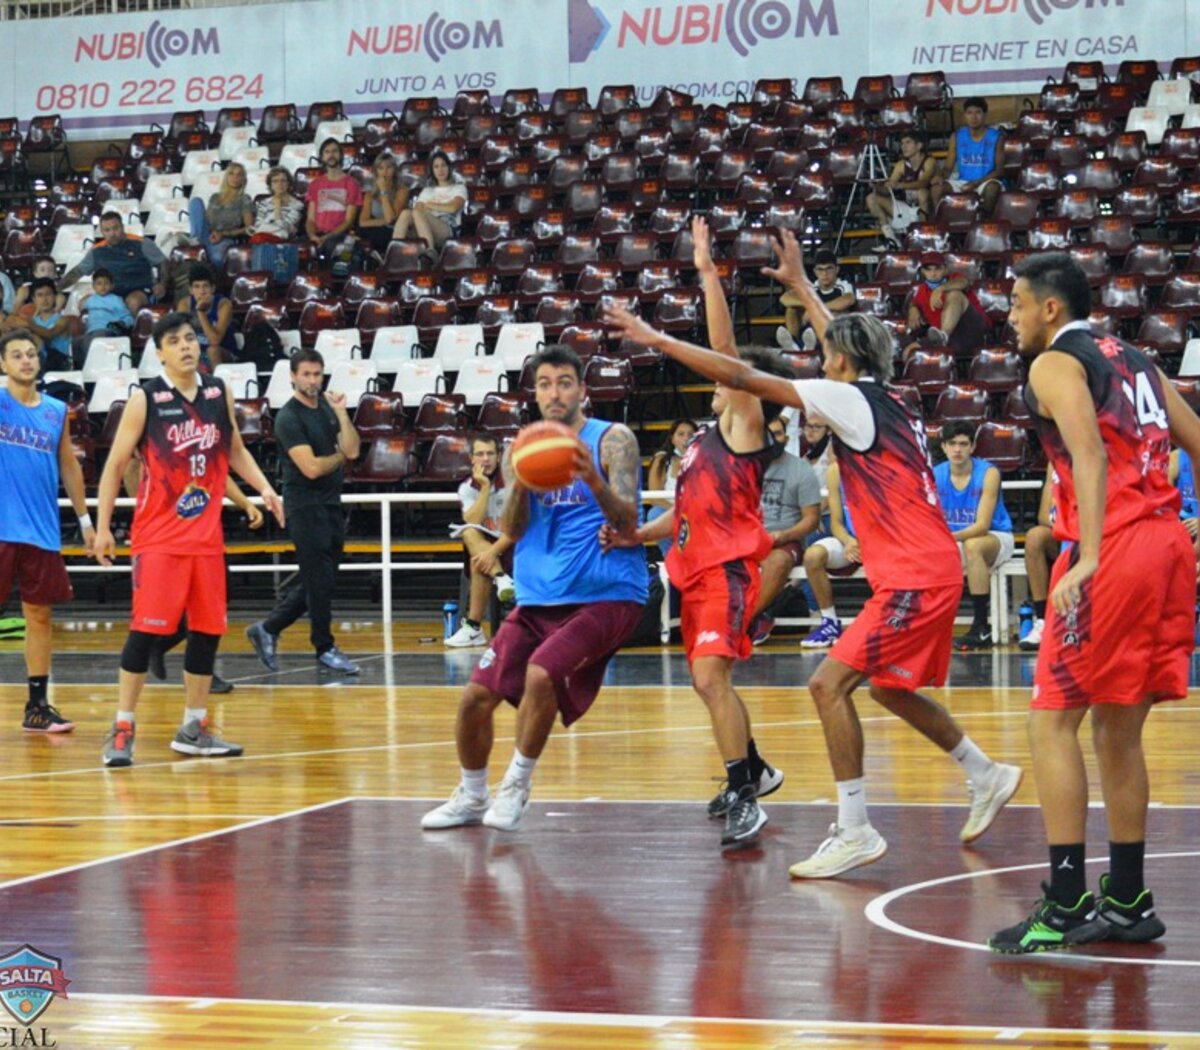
{"x":576,"y":605}
{"x":35,"y":450}
{"x":973,"y":162}
{"x":969,"y":491}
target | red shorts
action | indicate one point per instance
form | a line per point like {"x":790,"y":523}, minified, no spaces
{"x":165,"y":586}
{"x":41,"y":574}
{"x":716,"y":609}
{"x":901,"y":639}
{"x":571,"y":643}
{"x":1132,"y":636}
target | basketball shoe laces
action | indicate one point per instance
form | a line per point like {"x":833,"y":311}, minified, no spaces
{"x":120,"y":736}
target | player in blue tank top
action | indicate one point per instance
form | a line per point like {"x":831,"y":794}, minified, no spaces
{"x":576,"y":605}
{"x":1183,"y":477}
{"x":35,"y":450}
{"x":973,"y":162}
{"x":969,"y":490}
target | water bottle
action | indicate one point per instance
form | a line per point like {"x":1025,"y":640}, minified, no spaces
{"x":1026,"y":616}
{"x":449,"y":618}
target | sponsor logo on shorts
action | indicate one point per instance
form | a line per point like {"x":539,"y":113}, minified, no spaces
{"x":903,"y":672}
{"x":1071,"y":633}
{"x":708,"y":636}
{"x":901,"y":611}
{"x":193,"y":501}
{"x":487,"y":659}
{"x":161,"y":397}
{"x":684,"y":531}
{"x":154,"y":623}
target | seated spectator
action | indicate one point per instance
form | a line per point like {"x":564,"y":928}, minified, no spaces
{"x":905,"y":197}
{"x":1181,"y":474}
{"x":277,"y":216}
{"x":132,"y":261}
{"x":487,"y":549}
{"x":226,"y":219}
{"x":837,"y":553}
{"x":383,"y":202}
{"x":791,"y":506}
{"x":8,"y":294}
{"x":333,"y":200}
{"x":973,"y":162}
{"x":969,"y":490}
{"x":944,"y":311}
{"x":104,"y":314}
{"x":836,"y":293}
{"x":1041,"y":550}
{"x":211,"y":315}
{"x":436,"y":215}
{"x":51,"y":328}
{"x":22,"y":302}
{"x":664,"y":471}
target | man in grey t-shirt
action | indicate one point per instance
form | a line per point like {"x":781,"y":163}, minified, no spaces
{"x":791,"y":506}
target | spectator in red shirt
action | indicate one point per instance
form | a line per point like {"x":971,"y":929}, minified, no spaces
{"x":333,"y":201}
{"x":944,"y":311}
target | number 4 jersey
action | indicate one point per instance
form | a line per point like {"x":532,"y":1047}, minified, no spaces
{"x":1130,"y":409}
{"x":185,"y":461}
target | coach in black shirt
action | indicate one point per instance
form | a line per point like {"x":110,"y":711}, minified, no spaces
{"x":318,"y":439}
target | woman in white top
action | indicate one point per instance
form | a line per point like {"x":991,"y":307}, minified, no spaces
{"x":437,"y":213}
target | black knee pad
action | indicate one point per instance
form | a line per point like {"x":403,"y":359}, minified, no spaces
{"x":201,"y":652}
{"x":135,"y":657}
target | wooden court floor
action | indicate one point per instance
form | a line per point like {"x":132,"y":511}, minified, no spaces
{"x":289,"y":898}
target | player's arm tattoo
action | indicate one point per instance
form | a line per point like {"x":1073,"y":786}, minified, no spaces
{"x":515,"y":518}
{"x":619,"y":498}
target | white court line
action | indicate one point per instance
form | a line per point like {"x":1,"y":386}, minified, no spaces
{"x":876,"y":912}
{"x":19,"y":821}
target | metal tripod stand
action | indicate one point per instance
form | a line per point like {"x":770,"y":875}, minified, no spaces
{"x":871,"y":169}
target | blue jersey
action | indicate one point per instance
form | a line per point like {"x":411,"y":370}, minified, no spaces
{"x":29,"y":440}
{"x":959,"y":506}
{"x":1186,"y":483}
{"x":558,"y":560}
{"x":975,"y":159}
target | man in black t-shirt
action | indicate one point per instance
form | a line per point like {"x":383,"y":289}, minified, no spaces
{"x":315,"y":432}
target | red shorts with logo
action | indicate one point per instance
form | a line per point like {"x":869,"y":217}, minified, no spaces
{"x":165,"y":586}
{"x":901,"y":639}
{"x":716,"y":609}
{"x":1132,"y":635}
{"x":41,"y":574}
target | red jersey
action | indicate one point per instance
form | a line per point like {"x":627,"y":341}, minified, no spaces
{"x":1131,"y":411}
{"x":902,"y":534}
{"x":185,"y":461}
{"x":921,"y":300}
{"x":718,"y":506}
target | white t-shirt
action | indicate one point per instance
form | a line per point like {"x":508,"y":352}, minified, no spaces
{"x":432,"y":194}
{"x":841,"y":407}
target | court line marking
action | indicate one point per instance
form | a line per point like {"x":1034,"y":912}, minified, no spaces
{"x":876,"y":912}
{"x":18,"y":821}
{"x":594,"y":800}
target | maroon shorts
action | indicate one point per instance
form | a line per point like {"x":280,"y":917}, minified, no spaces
{"x":165,"y":586}
{"x":42,"y":574}
{"x":1132,"y":635}
{"x":795,"y":551}
{"x":571,"y":643}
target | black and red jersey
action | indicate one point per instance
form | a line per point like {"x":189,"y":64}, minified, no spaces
{"x":185,"y":461}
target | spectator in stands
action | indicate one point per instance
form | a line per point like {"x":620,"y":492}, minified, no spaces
{"x":334,"y":198}
{"x":22,"y":301}
{"x":133,"y":262}
{"x":8,"y":294}
{"x":51,"y":328}
{"x":487,"y":548}
{"x":838,"y":552}
{"x":836,"y":293}
{"x":436,"y":215}
{"x":944,"y":311}
{"x":791,"y":506}
{"x":383,"y":202}
{"x":1041,"y":550}
{"x":905,"y":197}
{"x":1183,"y":477}
{"x":973,"y":162}
{"x":277,"y":216}
{"x":664,"y":471}
{"x":226,"y":218}
{"x":211,"y":314}
{"x":104,"y":313}
{"x":969,"y":490}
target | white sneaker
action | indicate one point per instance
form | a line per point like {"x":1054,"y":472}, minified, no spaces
{"x":506,"y":590}
{"x":987,"y":801}
{"x":809,"y":338}
{"x":844,"y":850}
{"x":462,"y":810}
{"x":784,"y":340}
{"x":936,"y":337}
{"x":466,"y":636}
{"x":509,"y":806}
{"x":1033,"y":640}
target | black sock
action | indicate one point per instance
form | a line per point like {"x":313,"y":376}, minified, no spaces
{"x":1068,"y":880}
{"x":981,"y":606}
{"x":1126,"y":877}
{"x":757,"y":765}
{"x":38,"y":685}
{"x":1039,"y":609}
{"x":473,"y":624}
{"x":738,"y":772}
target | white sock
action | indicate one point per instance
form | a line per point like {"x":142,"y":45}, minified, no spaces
{"x":125,"y":716}
{"x":521,"y":768}
{"x":829,"y":614}
{"x":974,"y":762}
{"x":852,"y":803}
{"x":194,"y":712}
{"x":475,"y":782}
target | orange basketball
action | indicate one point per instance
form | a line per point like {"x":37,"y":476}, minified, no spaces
{"x":543,"y":456}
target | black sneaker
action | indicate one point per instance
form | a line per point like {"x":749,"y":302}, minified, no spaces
{"x":1134,"y":923}
{"x":219,"y":685}
{"x":744,"y":820}
{"x":769,"y":781}
{"x":975,"y":639}
{"x":1050,"y":927}
{"x":42,"y":718}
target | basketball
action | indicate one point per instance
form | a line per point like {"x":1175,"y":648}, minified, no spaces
{"x":543,"y":456}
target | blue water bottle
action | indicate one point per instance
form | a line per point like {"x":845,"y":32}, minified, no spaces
{"x":449,"y":618}
{"x":1026,"y":616}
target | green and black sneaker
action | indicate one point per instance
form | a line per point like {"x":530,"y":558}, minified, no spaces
{"x":12,"y":627}
{"x":1134,"y":923}
{"x":1051,"y":927}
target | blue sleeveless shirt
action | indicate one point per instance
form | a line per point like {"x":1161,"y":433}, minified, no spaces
{"x":558,"y":560}
{"x":975,"y":159}
{"x":29,"y":440}
{"x":959,"y":507}
{"x":1186,"y":483}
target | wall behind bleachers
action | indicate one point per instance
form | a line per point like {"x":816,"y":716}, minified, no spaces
{"x":108,"y":74}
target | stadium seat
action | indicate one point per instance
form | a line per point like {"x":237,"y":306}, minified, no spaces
{"x":380,"y":414}
{"x":1001,"y":443}
{"x":929,"y":371}
{"x":417,"y":379}
{"x":393,"y":345}
{"x":996,"y":370}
